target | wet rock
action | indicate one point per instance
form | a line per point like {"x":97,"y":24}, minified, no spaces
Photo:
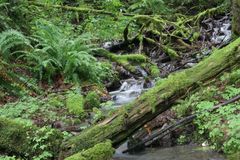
{"x":134,"y":141}
{"x":189,"y":65}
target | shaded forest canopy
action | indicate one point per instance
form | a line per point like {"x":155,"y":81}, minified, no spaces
{"x":62,"y":63}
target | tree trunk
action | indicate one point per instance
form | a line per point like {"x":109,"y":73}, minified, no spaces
{"x":131,"y":117}
{"x":236,"y":17}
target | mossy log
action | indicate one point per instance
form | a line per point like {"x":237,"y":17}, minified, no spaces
{"x":169,"y":51}
{"x":130,"y":61}
{"x":184,"y":121}
{"x":75,"y":9}
{"x":79,"y":9}
{"x":17,"y":138}
{"x":131,"y":117}
{"x":101,"y":151}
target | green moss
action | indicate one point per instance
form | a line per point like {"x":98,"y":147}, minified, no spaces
{"x":13,"y":136}
{"x":77,"y":156}
{"x":98,"y":115}
{"x":18,"y":138}
{"x":101,"y":151}
{"x":133,"y":58}
{"x":92,"y":100}
{"x":170,"y":52}
{"x":98,"y":133}
{"x":176,"y":85}
{"x":234,"y":156}
{"x":75,"y":104}
{"x":202,"y":71}
{"x":55,"y":100}
{"x":128,"y":61}
{"x":195,"y":36}
{"x":154,"y":71}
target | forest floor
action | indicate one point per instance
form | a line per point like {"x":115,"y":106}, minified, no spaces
{"x":138,"y":63}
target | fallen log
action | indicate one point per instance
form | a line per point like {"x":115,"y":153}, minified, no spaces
{"x":153,"y":102}
{"x":130,"y":62}
{"x":186,"y":120}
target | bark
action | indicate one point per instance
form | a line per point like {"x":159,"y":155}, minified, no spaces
{"x":131,"y":117}
{"x":236,"y":17}
{"x":184,"y":121}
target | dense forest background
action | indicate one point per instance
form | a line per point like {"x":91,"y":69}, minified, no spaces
{"x":62,"y":63}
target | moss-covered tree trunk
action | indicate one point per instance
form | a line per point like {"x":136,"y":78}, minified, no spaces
{"x":236,"y":17}
{"x":158,"y":99}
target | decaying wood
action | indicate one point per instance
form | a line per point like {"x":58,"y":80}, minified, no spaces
{"x":163,"y":132}
{"x":155,"y":101}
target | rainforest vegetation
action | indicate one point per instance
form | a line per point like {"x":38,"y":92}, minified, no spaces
{"x":78,"y":78}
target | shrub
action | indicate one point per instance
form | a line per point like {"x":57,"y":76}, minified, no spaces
{"x":92,"y":100}
{"x":27,"y":140}
{"x":75,"y":104}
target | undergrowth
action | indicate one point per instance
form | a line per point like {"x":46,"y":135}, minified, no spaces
{"x":220,"y":127}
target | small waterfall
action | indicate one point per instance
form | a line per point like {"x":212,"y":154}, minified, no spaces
{"x":129,"y":90}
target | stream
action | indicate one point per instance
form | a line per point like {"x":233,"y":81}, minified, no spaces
{"x":185,"y":152}
{"x":130,"y":90}
{"x":218,"y":32}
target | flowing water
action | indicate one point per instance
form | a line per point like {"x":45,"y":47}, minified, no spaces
{"x":130,"y":90}
{"x":186,"y":152}
{"x":133,"y":88}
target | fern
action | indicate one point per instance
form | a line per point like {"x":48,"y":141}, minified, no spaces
{"x":8,"y":83}
{"x":57,"y":54}
{"x":13,"y":83}
{"x":11,"y":41}
{"x":14,"y":14}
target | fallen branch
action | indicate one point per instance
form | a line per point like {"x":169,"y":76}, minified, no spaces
{"x":75,"y":9}
{"x":165,"y":131}
{"x":82,"y":10}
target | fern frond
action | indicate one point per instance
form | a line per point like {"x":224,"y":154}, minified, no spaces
{"x":10,"y":41}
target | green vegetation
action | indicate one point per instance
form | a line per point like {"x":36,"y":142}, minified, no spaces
{"x":75,"y":104}
{"x":59,"y":60}
{"x":220,"y":127}
{"x":28,"y":141}
{"x":101,"y":151}
{"x":92,"y":100}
